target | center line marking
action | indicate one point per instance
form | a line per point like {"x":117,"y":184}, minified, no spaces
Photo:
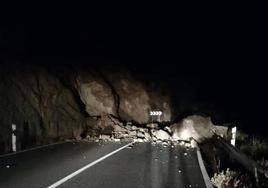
{"x":61,"y":181}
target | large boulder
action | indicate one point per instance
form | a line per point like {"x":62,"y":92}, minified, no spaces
{"x":196,"y":127}
{"x":95,"y":93}
{"x":136,"y":99}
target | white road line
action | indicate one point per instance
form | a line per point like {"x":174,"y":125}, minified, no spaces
{"x":61,"y":181}
{"x":203,"y":169}
{"x":34,"y":148}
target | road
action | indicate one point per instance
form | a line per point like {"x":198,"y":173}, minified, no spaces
{"x":140,"y":166}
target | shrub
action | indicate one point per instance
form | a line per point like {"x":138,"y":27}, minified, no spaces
{"x":231,"y":179}
{"x":224,"y":179}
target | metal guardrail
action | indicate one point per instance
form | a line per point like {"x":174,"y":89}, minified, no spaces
{"x":249,"y":164}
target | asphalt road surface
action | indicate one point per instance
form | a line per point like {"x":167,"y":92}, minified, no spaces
{"x":142,"y":166}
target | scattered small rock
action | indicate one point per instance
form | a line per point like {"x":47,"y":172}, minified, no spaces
{"x":152,"y":125}
{"x":130,"y":146}
{"x":147,"y":136}
{"x":165,"y":144}
{"x":132,"y":134}
{"x":193,"y":143}
{"x":188,"y":145}
{"x":140,"y":135}
{"x":134,"y":128}
{"x":128,"y":126}
{"x":161,"y":135}
{"x":104,"y":137}
{"x":168,"y":130}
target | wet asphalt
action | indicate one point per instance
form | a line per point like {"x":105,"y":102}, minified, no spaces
{"x":145,"y":165}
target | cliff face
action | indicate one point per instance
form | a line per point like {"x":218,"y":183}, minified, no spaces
{"x":49,"y":106}
{"x":43,"y":109}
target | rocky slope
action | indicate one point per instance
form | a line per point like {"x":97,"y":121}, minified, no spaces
{"x":49,"y":105}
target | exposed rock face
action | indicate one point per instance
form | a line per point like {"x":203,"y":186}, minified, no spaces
{"x":134,"y":100}
{"x":138,"y":99}
{"x":42,"y":108}
{"x":195,"y":126}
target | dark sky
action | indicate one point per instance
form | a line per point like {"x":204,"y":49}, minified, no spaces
{"x":224,"y":61}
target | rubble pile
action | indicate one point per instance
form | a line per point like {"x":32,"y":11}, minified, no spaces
{"x":111,"y":129}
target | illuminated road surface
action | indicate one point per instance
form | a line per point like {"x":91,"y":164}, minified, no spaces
{"x":144,"y":165}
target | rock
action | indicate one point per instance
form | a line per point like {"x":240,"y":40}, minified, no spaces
{"x":197,"y":127}
{"x":168,"y":130}
{"x":116,"y":140}
{"x":147,"y":136}
{"x":130,"y":146}
{"x":128,"y":127}
{"x":95,"y":93}
{"x":152,"y":125}
{"x":132,"y":133}
{"x":134,"y":128}
{"x":137,"y":98}
{"x":104,"y":137}
{"x":161,"y":135}
{"x":107,"y":124}
{"x":165,"y":144}
{"x":193,"y":143}
{"x":145,"y":130}
{"x":118,"y":128}
{"x":140,"y":135}
{"x":41,"y":106}
{"x":188,"y":145}
{"x":138,"y":140}
{"x":50,"y":104}
{"x":129,"y":123}
{"x":141,"y":130}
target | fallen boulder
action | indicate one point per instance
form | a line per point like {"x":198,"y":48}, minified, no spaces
{"x":197,"y":127}
{"x":160,"y":135}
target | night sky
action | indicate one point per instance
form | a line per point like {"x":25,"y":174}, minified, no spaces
{"x":223,"y":62}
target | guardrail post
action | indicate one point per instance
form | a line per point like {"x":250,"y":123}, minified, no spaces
{"x":234,"y":129}
{"x":14,"y":138}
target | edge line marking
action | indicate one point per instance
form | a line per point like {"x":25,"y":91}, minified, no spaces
{"x":68,"y":177}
